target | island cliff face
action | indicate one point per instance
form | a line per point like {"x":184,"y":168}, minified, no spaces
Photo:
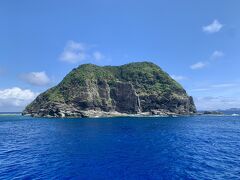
{"x":93,"y":91}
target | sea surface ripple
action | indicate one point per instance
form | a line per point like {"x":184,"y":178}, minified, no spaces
{"x":200,"y":147}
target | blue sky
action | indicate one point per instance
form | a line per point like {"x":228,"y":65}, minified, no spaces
{"x":196,"y":42}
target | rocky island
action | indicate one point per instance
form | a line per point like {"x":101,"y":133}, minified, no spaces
{"x":140,"y":88}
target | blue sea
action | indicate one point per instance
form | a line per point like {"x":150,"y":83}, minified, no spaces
{"x":199,"y":147}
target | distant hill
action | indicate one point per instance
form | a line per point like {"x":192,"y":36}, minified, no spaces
{"x":91,"y":90}
{"x":219,"y":111}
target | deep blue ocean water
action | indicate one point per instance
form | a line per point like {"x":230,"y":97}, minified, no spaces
{"x":120,"y":148}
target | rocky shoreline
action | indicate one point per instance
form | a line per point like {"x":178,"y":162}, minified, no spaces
{"x":74,"y":113}
{"x":99,"y":114}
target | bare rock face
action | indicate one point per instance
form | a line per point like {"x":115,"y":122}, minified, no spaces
{"x":93,"y":91}
{"x":125,"y":98}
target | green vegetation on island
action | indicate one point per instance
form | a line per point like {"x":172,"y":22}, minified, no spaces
{"x":134,"y":88}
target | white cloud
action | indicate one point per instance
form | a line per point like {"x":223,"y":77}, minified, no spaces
{"x":214,"y":103}
{"x":200,"y":89}
{"x":98,"y":56}
{"x":16,"y":97}
{"x":75,"y":52}
{"x":213,"y":87}
{"x":214,"y":27}
{"x":178,"y":78}
{"x":217,"y":96}
{"x":36,"y":78}
{"x":216,"y":55}
{"x":198,"y":65}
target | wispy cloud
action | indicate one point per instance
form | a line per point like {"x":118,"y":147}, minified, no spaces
{"x":224,"y":85}
{"x":98,"y":56}
{"x":178,"y":77}
{"x":36,"y":78}
{"x":217,"y":96}
{"x":216,"y":55}
{"x":198,"y":65}
{"x":216,"y":102}
{"x":75,"y":52}
{"x":213,"y":87}
{"x":16,"y":97}
{"x":199,"y":89}
{"x":214,"y":27}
